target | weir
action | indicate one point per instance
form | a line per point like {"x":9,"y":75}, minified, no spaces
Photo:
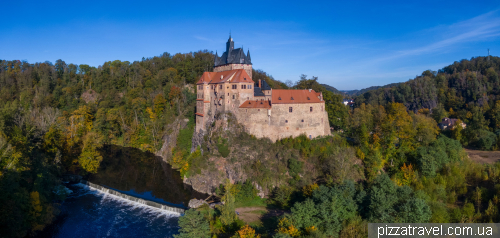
{"x":102,"y":189}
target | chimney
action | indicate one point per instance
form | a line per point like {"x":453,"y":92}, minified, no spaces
{"x":260,"y":86}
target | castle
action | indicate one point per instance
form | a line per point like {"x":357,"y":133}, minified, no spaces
{"x":265,"y":112}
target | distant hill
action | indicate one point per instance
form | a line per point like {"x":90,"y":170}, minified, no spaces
{"x":357,"y":92}
{"x":331,"y":89}
{"x":460,"y":86}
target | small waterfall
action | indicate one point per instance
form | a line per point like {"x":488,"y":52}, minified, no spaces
{"x":105,"y":190}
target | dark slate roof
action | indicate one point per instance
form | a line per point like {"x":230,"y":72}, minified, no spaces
{"x":232,"y":56}
{"x":264,"y":85}
{"x":257,"y":92}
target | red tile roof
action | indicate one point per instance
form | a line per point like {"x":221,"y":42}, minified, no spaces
{"x":291,"y":96}
{"x":236,"y":76}
{"x":256,"y":104}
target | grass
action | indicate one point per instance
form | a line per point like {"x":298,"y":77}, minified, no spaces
{"x":256,"y":202}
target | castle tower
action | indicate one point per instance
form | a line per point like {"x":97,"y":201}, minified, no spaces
{"x":233,"y":59}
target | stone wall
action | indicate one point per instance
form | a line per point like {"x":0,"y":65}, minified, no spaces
{"x":278,"y":122}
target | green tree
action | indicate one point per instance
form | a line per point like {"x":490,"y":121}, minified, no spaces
{"x":438,"y":113}
{"x":193,"y":225}
{"x":90,"y":158}
{"x":228,"y":214}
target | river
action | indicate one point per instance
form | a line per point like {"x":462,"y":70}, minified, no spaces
{"x":93,"y":213}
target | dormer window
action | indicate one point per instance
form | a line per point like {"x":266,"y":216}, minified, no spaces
{"x":244,"y":78}
{"x":279,"y":98}
{"x":308,"y":98}
{"x":292,"y":98}
{"x":222,"y":76}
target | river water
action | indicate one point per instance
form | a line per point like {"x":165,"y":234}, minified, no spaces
{"x":91,"y":213}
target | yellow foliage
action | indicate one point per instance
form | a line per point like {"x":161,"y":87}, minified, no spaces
{"x":247,"y":232}
{"x":177,"y":158}
{"x":408,"y":174}
{"x":309,"y":189}
{"x":311,"y":229}
{"x":360,"y":154}
{"x":36,"y":207}
{"x":151,"y":114}
{"x":424,"y":111}
{"x":286,"y":227}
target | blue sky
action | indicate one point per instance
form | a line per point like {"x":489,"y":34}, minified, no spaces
{"x":346,"y":44}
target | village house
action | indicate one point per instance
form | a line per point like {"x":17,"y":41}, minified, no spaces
{"x":449,"y":123}
{"x":265,"y":112}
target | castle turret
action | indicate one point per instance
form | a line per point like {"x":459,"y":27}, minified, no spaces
{"x":233,"y":59}
{"x":229,"y":45}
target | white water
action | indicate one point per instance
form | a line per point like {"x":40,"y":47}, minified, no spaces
{"x":130,"y":200}
{"x":90,"y":212}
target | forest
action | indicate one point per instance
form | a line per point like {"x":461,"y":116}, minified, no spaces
{"x":387,"y":160}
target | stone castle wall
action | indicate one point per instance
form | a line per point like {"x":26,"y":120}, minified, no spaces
{"x":278,"y":122}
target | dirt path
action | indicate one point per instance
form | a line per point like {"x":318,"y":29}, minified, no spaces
{"x":253,"y":214}
{"x":484,"y":157}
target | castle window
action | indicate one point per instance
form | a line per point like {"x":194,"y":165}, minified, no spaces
{"x":250,"y":86}
{"x":310,"y":137}
{"x":234,"y":86}
{"x":243,"y":86}
{"x":228,"y":94}
{"x":220,"y":86}
{"x":286,"y":121}
{"x":259,"y":110}
{"x":302,"y":120}
{"x":311,"y":109}
{"x":211,"y":86}
{"x":233,"y":96}
{"x":248,"y":98}
{"x":290,"y":109}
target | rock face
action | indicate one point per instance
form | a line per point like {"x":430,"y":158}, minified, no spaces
{"x":197,"y":140}
{"x":195,"y":203}
{"x":170,"y":139}
{"x":232,"y":167}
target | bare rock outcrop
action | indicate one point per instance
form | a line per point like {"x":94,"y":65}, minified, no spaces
{"x":195,"y":203}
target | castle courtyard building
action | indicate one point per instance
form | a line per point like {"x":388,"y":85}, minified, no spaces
{"x":265,"y":112}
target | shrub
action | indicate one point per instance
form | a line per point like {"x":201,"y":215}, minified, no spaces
{"x":223,"y":147}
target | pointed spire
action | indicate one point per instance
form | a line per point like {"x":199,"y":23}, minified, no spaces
{"x":216,"y":59}
{"x":249,"y":60}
